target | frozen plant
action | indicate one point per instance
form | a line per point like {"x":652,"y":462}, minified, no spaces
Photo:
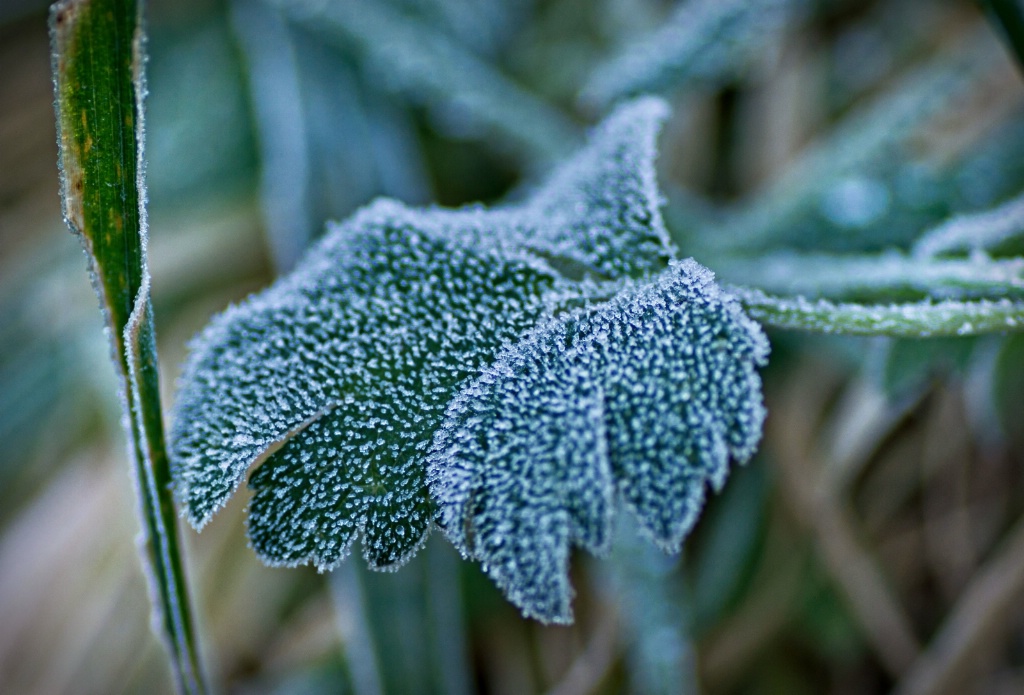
{"x":509,"y":374}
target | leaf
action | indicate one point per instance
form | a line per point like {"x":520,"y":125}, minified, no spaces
{"x":379,"y":324}
{"x":646,"y":397}
{"x":338,"y":377}
{"x":98,"y":85}
{"x":368,"y":338}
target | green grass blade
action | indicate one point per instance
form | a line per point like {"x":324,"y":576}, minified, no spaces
{"x":877,"y":276}
{"x":99,"y":86}
{"x":979,"y":231}
{"x":910,"y":320}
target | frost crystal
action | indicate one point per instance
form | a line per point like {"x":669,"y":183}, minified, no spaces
{"x":648,"y":395}
{"x":481,"y":344}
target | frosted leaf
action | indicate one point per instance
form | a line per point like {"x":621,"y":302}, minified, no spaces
{"x":602,"y":207}
{"x":337,"y":376}
{"x":648,"y":395}
{"x":368,"y":338}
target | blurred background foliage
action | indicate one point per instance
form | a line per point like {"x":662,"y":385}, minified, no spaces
{"x":875,"y":544}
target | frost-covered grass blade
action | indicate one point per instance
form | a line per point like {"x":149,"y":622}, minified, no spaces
{"x":876,"y":276}
{"x":980,"y":231}
{"x":99,"y":87}
{"x":922,"y":319}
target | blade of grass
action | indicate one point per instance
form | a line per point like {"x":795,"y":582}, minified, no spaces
{"x":978,"y":231}
{"x":839,"y":277}
{"x":99,"y":87}
{"x":909,"y":320}
{"x":429,"y":67}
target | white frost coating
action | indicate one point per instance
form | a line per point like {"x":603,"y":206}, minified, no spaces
{"x":351,"y":363}
{"x":373,"y":332}
{"x":352,"y":359}
{"x":834,"y":276}
{"x":975,"y":232}
{"x":648,"y":395}
{"x":909,"y":320}
{"x":704,"y":41}
{"x":602,"y":208}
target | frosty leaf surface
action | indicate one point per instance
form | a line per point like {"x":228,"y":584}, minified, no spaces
{"x":367,"y":342}
{"x":602,"y":208}
{"x":647,"y":397}
{"x":337,"y":376}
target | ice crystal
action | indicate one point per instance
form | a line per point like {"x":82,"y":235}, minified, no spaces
{"x":535,"y":355}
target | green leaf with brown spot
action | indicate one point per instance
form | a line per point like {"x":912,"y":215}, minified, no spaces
{"x":99,"y":87}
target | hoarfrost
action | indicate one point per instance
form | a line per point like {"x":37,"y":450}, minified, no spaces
{"x":469,"y":337}
{"x":909,"y":320}
{"x":648,"y":395}
{"x":974,"y":232}
{"x":357,"y":352}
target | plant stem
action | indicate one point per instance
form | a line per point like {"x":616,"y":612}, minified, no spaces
{"x":983,"y":615}
{"x":99,"y":87}
{"x":911,"y":320}
{"x":836,"y":277}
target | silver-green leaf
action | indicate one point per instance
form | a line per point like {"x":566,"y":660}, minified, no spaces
{"x":646,"y":397}
{"x":350,"y":377}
